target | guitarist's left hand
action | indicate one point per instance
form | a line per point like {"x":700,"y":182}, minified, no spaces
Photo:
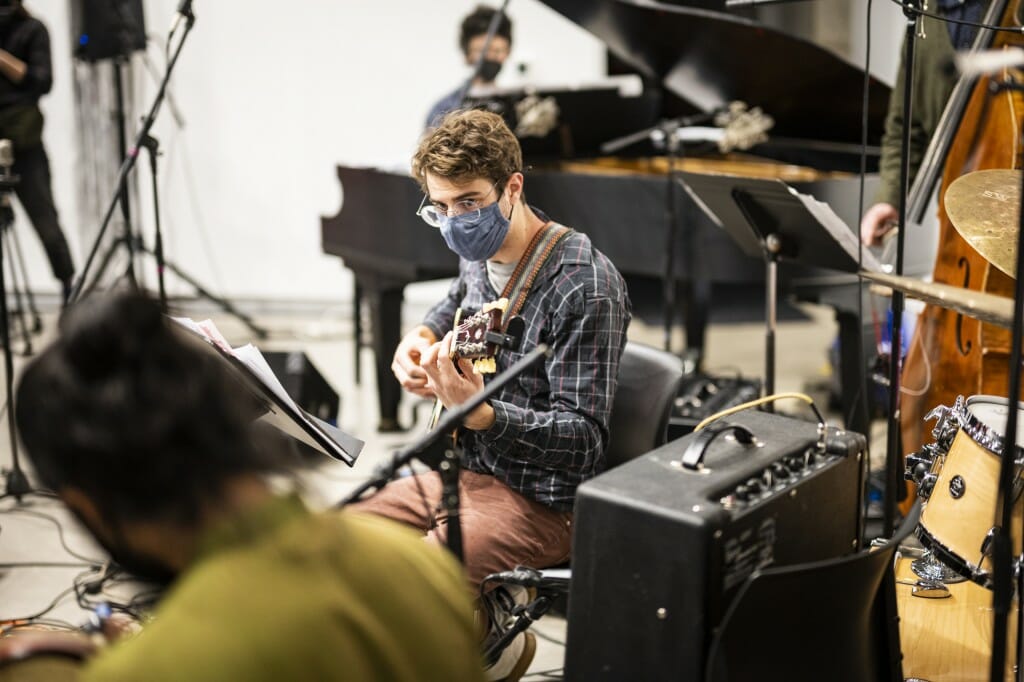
{"x":452,"y":387}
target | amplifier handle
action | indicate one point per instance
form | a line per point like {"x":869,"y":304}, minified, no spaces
{"x":693,"y":458}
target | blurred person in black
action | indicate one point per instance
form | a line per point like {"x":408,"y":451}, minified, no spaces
{"x":472,"y":36}
{"x":25,"y":76}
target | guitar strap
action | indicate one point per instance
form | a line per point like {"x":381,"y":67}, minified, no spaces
{"x":519,"y":284}
{"x":537,"y":253}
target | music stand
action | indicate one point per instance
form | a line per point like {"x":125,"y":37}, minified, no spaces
{"x":269,"y":400}
{"x":771,"y":220}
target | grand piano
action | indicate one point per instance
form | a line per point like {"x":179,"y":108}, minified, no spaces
{"x":692,"y":60}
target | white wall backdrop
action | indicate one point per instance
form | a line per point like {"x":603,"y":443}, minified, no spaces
{"x":888,"y":26}
{"x":273,"y":95}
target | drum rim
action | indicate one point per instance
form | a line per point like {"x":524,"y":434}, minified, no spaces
{"x":947,"y":556}
{"x":980,"y":432}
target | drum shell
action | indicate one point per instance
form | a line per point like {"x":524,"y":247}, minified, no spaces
{"x":962,"y":506}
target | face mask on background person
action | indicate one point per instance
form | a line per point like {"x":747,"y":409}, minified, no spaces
{"x":489,"y":70}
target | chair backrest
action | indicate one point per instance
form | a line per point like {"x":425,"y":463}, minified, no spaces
{"x":833,"y":619}
{"x":649,"y":380}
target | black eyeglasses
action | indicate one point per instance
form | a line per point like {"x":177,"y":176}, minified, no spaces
{"x":470,"y":209}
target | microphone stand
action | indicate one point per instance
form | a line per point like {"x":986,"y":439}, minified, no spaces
{"x":667,"y":133}
{"x":1002,"y":542}
{"x":492,"y":30}
{"x":448,"y":467}
{"x":129,"y":161}
{"x":893,"y":455}
{"x":152,"y":146}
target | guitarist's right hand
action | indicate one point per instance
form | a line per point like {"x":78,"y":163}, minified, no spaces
{"x":406,"y":363}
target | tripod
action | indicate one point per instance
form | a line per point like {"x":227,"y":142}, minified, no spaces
{"x":132,"y":242}
{"x":23,"y":296}
{"x":17,"y":483}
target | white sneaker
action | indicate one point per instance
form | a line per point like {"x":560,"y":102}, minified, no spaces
{"x":514,"y":660}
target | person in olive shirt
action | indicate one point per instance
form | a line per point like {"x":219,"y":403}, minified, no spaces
{"x":26,"y":75}
{"x":934,"y":78}
{"x":141,"y":431}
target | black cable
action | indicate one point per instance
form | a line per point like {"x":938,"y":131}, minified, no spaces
{"x":48,"y":622}
{"x":34,"y":493}
{"x":39,"y":614}
{"x":861,"y":393}
{"x":548,"y":638}
{"x":431,"y":517}
{"x":962,"y":22}
{"x":60,"y":532}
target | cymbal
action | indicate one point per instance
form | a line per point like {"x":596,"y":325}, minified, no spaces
{"x":984,"y":208}
{"x":989,"y":308}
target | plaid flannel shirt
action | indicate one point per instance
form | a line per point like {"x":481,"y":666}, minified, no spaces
{"x":551,"y":424}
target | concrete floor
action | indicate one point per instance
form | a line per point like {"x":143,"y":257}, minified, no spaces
{"x":327,"y":341}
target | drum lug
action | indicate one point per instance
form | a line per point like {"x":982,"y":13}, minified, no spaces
{"x":919,"y":466}
{"x":948,"y":422}
{"x":986,"y":544}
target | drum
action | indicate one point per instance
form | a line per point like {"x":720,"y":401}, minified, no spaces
{"x":961,"y":489}
{"x":950,"y":638}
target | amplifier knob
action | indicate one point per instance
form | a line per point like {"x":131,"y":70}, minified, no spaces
{"x":754,"y":485}
{"x":742,"y":493}
{"x":780,"y":472}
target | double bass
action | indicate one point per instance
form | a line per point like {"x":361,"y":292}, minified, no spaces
{"x":951,"y":354}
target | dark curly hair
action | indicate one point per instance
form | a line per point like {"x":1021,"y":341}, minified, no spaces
{"x":468,"y":144}
{"x":478,"y":22}
{"x":136,"y":413}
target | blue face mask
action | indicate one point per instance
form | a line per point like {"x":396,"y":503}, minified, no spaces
{"x":476,"y":235}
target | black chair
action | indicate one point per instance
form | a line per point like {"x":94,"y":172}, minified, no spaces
{"x":833,"y":619}
{"x":649,"y":381}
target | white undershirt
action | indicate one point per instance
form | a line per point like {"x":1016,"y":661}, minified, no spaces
{"x":498,"y":274}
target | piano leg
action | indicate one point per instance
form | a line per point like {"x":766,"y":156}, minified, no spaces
{"x":697,"y":298}
{"x":851,"y":373}
{"x":357,"y":328}
{"x":386,"y":326}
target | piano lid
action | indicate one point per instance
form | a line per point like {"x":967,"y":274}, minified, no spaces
{"x":710,"y":58}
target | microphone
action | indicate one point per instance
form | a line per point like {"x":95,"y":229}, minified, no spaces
{"x":984,"y":62}
{"x":184,"y":13}
{"x":550,"y":579}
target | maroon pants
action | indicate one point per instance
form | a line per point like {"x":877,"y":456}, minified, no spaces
{"x":501,"y":529}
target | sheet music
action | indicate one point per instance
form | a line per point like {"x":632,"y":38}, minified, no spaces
{"x":250,"y":356}
{"x":839,"y":230}
{"x":282,"y":411}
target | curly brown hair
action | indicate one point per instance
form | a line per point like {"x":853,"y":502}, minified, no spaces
{"x":468,"y":145}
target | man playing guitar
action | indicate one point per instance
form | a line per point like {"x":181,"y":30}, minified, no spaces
{"x":526,"y":451}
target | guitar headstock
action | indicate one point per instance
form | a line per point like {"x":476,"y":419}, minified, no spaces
{"x":470,"y":340}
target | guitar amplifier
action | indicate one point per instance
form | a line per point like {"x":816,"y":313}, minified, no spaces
{"x":660,"y":549}
{"x":702,"y":395}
